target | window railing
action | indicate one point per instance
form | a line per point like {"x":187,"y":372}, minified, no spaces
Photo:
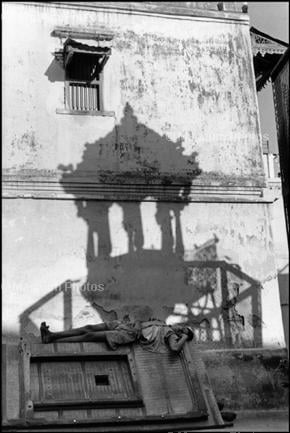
{"x":80,"y":96}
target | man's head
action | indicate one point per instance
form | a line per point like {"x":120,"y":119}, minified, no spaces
{"x":189,"y":332}
{"x":180,"y":329}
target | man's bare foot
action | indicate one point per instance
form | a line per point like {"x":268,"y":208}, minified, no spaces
{"x":45,"y":333}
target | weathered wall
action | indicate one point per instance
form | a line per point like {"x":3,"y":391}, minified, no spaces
{"x":140,"y":260}
{"x":195,"y":68}
{"x":184,"y":144}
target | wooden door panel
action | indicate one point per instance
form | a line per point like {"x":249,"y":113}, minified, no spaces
{"x":62,"y":381}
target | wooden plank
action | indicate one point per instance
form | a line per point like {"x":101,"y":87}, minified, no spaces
{"x":90,"y":347}
{"x":101,"y":92}
{"x":90,"y":98}
{"x":83,"y":33}
{"x":73,"y":89}
{"x":78,"y":96}
{"x":40,"y":348}
{"x":86,"y":404}
{"x":24,"y":380}
{"x":86,"y":98}
{"x":133,"y":371}
{"x":85,"y":383}
{"x":151,"y":384}
{"x":4,"y":382}
{"x":166,"y":389}
{"x":213,"y":407}
{"x":34,"y":382}
{"x":52,"y":415}
{"x":197,"y":374}
{"x":75,"y":414}
{"x":135,"y":422}
{"x":76,"y":356}
{"x":131,"y":412}
{"x":81,"y":91}
{"x":95,"y":98}
{"x":122,"y":376}
{"x":67,"y":347}
{"x":204,"y":391}
{"x":177,"y":386}
{"x":163,"y":381}
{"x":67,"y":96}
{"x":127,"y":380}
{"x":12,"y":396}
{"x":62,"y":381}
{"x":104,"y":413}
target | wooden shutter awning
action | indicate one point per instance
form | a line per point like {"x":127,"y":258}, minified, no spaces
{"x":267,"y":52}
{"x":73,"y":47}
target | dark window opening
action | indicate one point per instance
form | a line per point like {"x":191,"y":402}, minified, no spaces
{"x":84,"y":76}
{"x":102,"y":379}
{"x":84,"y":67}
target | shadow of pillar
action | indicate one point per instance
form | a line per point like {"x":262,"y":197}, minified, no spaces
{"x":67,"y":309}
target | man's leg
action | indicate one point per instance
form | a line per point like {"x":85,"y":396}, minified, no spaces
{"x":88,"y":337}
{"x":48,"y":336}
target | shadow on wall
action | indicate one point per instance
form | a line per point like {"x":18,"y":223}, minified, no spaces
{"x":283,"y":281}
{"x":144,"y":283}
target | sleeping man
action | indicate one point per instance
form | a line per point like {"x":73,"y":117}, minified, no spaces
{"x":154,"y":335}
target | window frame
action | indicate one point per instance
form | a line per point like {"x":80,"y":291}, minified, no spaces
{"x":60,"y":54}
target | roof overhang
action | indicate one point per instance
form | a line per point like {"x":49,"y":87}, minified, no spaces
{"x":267,"y":52}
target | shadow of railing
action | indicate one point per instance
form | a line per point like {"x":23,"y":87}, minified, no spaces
{"x":229,"y":303}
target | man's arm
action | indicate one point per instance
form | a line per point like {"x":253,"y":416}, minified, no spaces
{"x":175,"y":343}
{"x":138,"y":327}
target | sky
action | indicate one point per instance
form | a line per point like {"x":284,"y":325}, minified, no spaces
{"x":271,"y":18}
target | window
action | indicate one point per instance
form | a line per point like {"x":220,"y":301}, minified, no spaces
{"x":84,"y":67}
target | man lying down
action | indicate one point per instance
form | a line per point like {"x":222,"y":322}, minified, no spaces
{"x":154,"y":335}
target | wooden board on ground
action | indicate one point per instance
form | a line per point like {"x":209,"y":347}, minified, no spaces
{"x":88,"y":387}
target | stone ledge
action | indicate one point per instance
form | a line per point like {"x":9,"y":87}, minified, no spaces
{"x":82,"y":188}
{"x":129,"y":194}
{"x":157,"y":9}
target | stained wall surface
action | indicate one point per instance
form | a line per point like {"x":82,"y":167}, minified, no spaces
{"x":160,"y":67}
{"x":154,"y":208}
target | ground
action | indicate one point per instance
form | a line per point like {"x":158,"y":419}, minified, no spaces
{"x":258,"y":421}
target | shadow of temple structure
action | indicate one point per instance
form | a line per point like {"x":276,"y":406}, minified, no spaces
{"x":205,"y":292}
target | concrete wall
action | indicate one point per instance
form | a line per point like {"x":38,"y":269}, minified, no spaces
{"x":160,"y":203}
